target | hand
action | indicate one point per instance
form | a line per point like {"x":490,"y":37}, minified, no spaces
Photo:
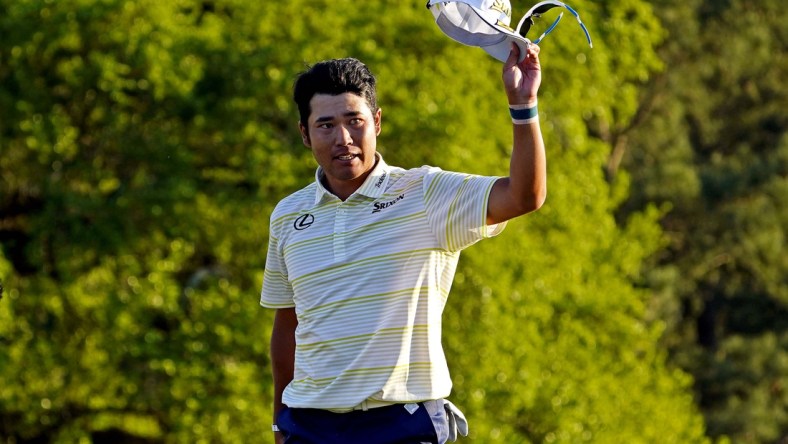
{"x":522,"y":80}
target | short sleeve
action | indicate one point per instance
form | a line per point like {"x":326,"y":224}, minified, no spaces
{"x":456,"y":206}
{"x":277,"y":291}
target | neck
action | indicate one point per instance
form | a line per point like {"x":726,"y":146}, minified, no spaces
{"x":345,"y":188}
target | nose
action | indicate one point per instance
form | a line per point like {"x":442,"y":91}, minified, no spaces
{"x":343,"y":136}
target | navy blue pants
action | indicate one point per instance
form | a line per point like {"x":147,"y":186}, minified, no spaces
{"x":393,"y":424}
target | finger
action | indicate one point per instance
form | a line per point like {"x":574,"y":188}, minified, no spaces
{"x":533,"y":51}
{"x":531,"y":58}
{"x":514,"y":56}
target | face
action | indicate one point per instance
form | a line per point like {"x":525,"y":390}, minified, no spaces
{"x":342,"y":133}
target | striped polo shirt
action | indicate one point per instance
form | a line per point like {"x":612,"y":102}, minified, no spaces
{"x":369,"y":278}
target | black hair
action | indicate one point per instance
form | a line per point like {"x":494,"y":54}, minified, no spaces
{"x":334,"y":77}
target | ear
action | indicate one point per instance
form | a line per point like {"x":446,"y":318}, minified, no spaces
{"x":304,"y":134}
{"x":378,"y":115}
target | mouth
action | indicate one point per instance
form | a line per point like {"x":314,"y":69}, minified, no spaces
{"x":346,"y":157}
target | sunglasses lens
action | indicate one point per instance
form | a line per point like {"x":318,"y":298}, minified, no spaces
{"x":526,"y":26}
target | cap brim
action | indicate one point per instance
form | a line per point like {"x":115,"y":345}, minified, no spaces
{"x":502,"y":50}
{"x":464,"y":23}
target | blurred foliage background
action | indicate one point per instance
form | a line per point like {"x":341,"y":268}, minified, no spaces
{"x":143,"y":145}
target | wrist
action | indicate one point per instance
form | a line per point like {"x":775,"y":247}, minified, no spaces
{"x":523,"y":101}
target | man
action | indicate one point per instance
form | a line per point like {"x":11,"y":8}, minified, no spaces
{"x":360,"y":263}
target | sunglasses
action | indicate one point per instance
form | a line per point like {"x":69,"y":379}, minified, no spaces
{"x":530,"y":17}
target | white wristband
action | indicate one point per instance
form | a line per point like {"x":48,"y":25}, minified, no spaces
{"x":274,"y":428}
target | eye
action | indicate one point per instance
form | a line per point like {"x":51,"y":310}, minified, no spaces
{"x":356,"y":121}
{"x":325,"y":125}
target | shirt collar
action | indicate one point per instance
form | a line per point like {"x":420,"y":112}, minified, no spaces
{"x":373,"y":186}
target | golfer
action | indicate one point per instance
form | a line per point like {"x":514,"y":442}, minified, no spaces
{"x":360,"y":263}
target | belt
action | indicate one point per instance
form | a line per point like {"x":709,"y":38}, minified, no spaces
{"x":365,"y":405}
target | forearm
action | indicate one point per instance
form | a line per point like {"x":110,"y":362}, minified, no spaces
{"x":525,"y":189}
{"x":528,"y":167}
{"x":282,"y":354}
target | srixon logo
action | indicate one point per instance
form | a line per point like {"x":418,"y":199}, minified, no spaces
{"x":377,"y":206}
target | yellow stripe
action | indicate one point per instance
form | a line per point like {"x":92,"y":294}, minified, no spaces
{"x":363,"y":262}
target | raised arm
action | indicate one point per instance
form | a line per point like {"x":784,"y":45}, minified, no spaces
{"x":282,"y":356}
{"x":525,"y":189}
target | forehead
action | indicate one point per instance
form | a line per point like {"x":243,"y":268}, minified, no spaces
{"x":334,"y":106}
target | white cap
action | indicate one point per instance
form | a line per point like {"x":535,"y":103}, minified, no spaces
{"x":487,"y":23}
{"x":483,"y":23}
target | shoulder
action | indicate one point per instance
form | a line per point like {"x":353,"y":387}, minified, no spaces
{"x":293,"y":204}
{"x":430,"y":177}
{"x":413,"y":174}
{"x":407,"y":180}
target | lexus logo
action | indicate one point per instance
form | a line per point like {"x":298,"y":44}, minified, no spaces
{"x":303,"y":222}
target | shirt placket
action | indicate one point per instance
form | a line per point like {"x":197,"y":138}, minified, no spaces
{"x":340,"y":226}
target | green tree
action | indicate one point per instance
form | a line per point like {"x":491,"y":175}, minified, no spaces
{"x":712,"y":147}
{"x":556,"y":342}
{"x":126,"y":161}
{"x":145,"y":143}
